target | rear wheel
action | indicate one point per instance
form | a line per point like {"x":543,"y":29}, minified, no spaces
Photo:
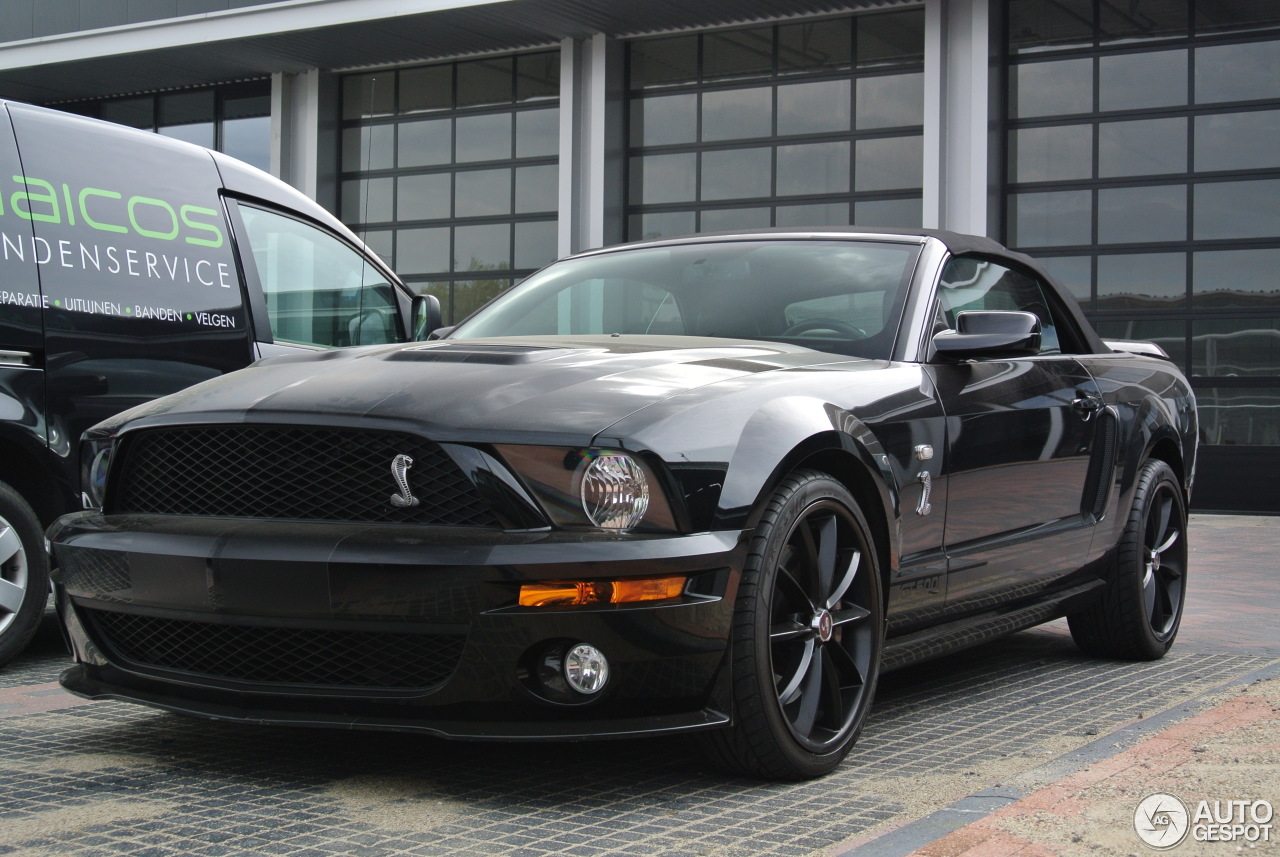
{"x":807,"y":634}
{"x":1138,"y":615}
{"x":24,"y":574}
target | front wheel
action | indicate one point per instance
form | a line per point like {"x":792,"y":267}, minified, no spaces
{"x":24,"y":574}
{"x":807,"y":633}
{"x":1140,"y":610}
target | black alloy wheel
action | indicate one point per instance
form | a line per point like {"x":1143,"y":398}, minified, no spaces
{"x":1138,"y":615}
{"x":808,"y":630}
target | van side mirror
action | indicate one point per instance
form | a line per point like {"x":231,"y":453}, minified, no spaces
{"x":426,"y":316}
{"x":990,"y":333}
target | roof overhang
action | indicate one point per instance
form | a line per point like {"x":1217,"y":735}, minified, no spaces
{"x":295,"y":35}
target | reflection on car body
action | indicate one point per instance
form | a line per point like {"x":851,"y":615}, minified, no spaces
{"x":714,"y":484}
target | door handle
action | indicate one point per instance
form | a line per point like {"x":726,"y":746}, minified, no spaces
{"x":1087,"y":405}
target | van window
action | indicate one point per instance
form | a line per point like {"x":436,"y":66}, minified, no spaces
{"x":319,"y":291}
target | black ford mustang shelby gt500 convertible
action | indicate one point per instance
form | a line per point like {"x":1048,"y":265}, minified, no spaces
{"x":712,"y":484}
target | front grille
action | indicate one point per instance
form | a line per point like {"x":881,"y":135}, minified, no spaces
{"x":296,"y":657}
{"x":291,"y":473}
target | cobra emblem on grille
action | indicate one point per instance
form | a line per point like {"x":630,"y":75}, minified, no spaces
{"x":400,"y":471}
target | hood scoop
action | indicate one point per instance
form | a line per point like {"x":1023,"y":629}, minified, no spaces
{"x":500,"y":355}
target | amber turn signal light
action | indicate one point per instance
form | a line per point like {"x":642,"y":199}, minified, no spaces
{"x":570,"y":593}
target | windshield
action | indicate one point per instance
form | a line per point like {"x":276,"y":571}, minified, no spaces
{"x":840,"y":296}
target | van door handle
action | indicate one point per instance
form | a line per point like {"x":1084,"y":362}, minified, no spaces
{"x":17,"y":358}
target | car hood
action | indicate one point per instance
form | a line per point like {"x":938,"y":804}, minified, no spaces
{"x":543,"y":388}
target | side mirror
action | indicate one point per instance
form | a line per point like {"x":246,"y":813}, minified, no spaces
{"x":426,"y":316}
{"x":990,"y":333}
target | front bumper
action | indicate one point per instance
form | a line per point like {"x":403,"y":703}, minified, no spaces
{"x":326,"y":624}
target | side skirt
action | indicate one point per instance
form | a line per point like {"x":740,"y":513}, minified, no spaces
{"x":949,"y":637}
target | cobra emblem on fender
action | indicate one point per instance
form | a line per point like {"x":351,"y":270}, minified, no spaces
{"x":400,"y":471}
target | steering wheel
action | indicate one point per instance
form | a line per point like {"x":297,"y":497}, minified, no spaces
{"x":824,"y":324}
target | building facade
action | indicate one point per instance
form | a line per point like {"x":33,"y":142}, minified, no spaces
{"x":1133,"y":146}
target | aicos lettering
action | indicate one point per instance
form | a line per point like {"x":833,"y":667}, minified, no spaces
{"x":108,"y":211}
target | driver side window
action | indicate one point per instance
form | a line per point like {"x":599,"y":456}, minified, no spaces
{"x":970,"y":283}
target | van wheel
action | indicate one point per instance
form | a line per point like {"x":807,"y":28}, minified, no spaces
{"x":807,"y":631}
{"x":24,"y":574}
{"x":1138,"y":615}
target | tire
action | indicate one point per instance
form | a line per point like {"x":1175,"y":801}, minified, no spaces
{"x":24,"y":574}
{"x":1138,"y":614}
{"x":806,"y":637}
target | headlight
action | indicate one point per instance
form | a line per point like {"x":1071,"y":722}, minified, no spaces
{"x":614,"y":492}
{"x":604,"y":488}
{"x":95,"y":464}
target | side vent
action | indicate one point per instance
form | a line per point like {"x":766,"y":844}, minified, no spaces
{"x":1101,"y":466}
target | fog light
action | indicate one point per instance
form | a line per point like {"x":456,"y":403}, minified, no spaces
{"x":586,"y":669}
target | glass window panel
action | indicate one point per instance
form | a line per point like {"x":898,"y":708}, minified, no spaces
{"x":537,"y":76}
{"x":1051,"y":219}
{"x":538,"y":133}
{"x":134,"y":112}
{"x":1074,"y":272}
{"x":483,"y":138}
{"x":482,"y":248}
{"x":889,"y":101}
{"x":1239,"y":417}
{"x":737,"y":113}
{"x":736,"y":173}
{"x":1131,"y":215}
{"x":664,"y":120}
{"x":426,"y":89}
{"x":816,"y":215}
{"x":1142,"y":281}
{"x":1227,"y":279}
{"x":201,"y":134}
{"x":657,"y":179}
{"x":1247,"y":347}
{"x":813,"y":108}
{"x":367,"y":200}
{"x":1037,"y":25}
{"x":1171,"y":335}
{"x":889,"y":163}
{"x":470,"y":295}
{"x":367,"y":95}
{"x":426,"y":143}
{"x":813,"y":168}
{"x":1139,"y":20}
{"x":1060,"y":153}
{"x":248,"y":139}
{"x":662,"y":224}
{"x":536,"y":243}
{"x":187,"y":108}
{"x":724,"y":219}
{"x":483,"y":83}
{"x":1059,"y":88}
{"x":738,"y":54}
{"x":372,"y":147}
{"x":1220,"y":16}
{"x":815,"y":46}
{"x":1238,"y":141}
{"x":1137,"y":81}
{"x":900,"y":213}
{"x":537,"y":188}
{"x":1142,"y":147}
{"x":382,"y":243}
{"x":423,"y":197}
{"x":664,"y":62}
{"x":1238,"y":72}
{"x":890,"y":38}
{"x":482,"y":193}
{"x":244,"y":107}
{"x":1237,"y":210}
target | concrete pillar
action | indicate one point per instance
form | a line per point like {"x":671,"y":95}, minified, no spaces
{"x":304,"y":133}
{"x":592,"y":148}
